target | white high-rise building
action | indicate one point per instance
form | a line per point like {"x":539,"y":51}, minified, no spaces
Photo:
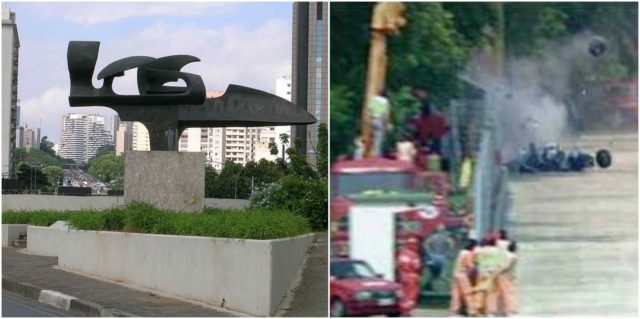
{"x":82,"y":136}
{"x":211,"y":141}
{"x":140,"y":137}
{"x":131,"y":136}
{"x":236,"y":144}
{"x":283,"y":87}
{"x":10,"y":107}
{"x":283,"y":90}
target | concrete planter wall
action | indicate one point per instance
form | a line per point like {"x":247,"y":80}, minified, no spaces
{"x":226,"y":203}
{"x":10,"y":232}
{"x":249,"y":276}
{"x":45,"y":241}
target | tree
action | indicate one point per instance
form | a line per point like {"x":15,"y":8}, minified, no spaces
{"x":232,"y":183}
{"x":210,"y":175}
{"x":32,"y":176}
{"x":273,"y":148}
{"x":35,"y":157}
{"x":55,"y":174}
{"x":102,"y":150}
{"x":435,"y":46}
{"x":428,"y":53}
{"x":107,"y":167}
{"x":298,"y":165}
{"x":284,"y":139}
{"x":47,"y":146}
{"x":105,"y":149}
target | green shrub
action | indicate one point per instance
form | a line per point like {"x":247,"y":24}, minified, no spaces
{"x":304,"y":197}
{"x":114,"y":219}
{"x":87,"y":220}
{"x":35,"y":218}
{"x":144,"y":218}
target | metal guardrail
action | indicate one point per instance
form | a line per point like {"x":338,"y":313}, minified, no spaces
{"x":475,"y":129}
{"x":492,"y":196}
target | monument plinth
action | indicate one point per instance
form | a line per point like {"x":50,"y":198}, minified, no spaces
{"x":170,"y":180}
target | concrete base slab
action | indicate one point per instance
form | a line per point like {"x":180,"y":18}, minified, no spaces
{"x":170,"y":180}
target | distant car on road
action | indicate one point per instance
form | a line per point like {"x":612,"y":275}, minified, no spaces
{"x":356,"y":290}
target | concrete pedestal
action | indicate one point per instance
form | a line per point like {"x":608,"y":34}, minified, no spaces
{"x":168,"y":179}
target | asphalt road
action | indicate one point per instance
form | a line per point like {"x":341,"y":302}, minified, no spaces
{"x":14,"y":305}
{"x":578,"y":232}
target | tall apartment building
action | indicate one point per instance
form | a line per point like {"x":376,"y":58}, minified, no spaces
{"x":10,"y":107}
{"x":115,"y":126}
{"x":140,"y":137}
{"x":207,"y":140}
{"x":245,"y":144}
{"x":123,"y":137}
{"x":236,"y":144}
{"x":28,"y":137}
{"x":309,"y":68}
{"x":131,"y":136}
{"x":20,"y":137}
{"x":82,"y":136}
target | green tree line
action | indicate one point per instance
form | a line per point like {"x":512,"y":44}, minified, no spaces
{"x":435,"y":46}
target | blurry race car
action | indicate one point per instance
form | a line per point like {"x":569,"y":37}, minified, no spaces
{"x":551,"y":158}
{"x":356,"y":290}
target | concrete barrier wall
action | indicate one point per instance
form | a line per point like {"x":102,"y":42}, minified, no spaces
{"x":241,"y":275}
{"x":226,"y":203}
{"x":74,"y":203}
{"x":286,"y":257}
{"x":10,"y":232}
{"x":59,"y":203}
{"x":45,"y":240}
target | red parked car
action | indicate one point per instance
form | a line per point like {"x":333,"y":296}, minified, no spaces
{"x":356,"y":290}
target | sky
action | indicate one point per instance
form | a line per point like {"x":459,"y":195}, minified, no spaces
{"x":238,"y":43}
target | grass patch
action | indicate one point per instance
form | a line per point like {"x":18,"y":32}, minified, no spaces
{"x":145,"y":218}
{"x":35,"y":218}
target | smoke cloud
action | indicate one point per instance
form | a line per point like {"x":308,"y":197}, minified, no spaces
{"x":528,"y":104}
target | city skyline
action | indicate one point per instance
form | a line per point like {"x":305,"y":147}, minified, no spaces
{"x":229,"y":38}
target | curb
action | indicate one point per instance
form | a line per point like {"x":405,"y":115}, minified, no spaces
{"x":60,"y":300}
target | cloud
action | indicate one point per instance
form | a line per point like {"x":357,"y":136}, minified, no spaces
{"x":49,"y":107}
{"x":252,"y":57}
{"x":89,"y":14}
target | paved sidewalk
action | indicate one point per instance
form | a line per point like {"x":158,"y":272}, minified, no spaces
{"x":309,"y":298}
{"x":39,"y":271}
{"x":426,"y":312}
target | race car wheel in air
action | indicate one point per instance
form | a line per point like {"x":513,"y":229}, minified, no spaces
{"x":603,"y":158}
{"x":337,"y":308}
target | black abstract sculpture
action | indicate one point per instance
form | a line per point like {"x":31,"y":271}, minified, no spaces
{"x":167,"y":110}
